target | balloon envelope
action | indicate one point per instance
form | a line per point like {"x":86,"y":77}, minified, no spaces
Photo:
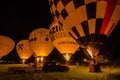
{"x":6,"y":45}
{"x":62,"y":40}
{"x":23,"y":49}
{"x":40,"y":42}
{"x":87,"y":21}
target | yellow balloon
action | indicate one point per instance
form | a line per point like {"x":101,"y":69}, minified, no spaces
{"x":63,"y":42}
{"x":40,"y":42}
{"x":6,"y":45}
{"x":23,"y":49}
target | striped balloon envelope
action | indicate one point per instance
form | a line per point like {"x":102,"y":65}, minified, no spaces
{"x":89,"y":22}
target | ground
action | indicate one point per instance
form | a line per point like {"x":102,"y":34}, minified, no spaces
{"x":75,"y":73}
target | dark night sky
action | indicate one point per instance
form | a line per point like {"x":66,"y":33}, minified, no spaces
{"x":20,"y":17}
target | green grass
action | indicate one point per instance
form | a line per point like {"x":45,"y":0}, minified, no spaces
{"x":81,"y":73}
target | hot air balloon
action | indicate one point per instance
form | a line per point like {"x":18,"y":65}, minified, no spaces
{"x":23,"y":50}
{"x":89,"y":22}
{"x":6,"y":45}
{"x":40,"y":43}
{"x":63,"y":42}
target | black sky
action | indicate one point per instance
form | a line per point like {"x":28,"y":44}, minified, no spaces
{"x":20,"y":17}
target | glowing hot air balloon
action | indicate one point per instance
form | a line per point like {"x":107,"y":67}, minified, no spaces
{"x":40,"y":43}
{"x":23,"y":50}
{"x":63,"y":42}
{"x":89,"y":22}
{"x":6,"y":45}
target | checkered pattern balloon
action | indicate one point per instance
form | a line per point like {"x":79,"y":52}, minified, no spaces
{"x":86,"y":20}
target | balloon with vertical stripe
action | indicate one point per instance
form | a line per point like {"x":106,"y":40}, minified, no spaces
{"x":87,"y":21}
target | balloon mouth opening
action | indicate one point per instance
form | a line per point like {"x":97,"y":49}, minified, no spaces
{"x":92,"y":49}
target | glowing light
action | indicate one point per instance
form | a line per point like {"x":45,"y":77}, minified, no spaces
{"x":84,"y":60}
{"x":23,"y":61}
{"x":40,"y":59}
{"x":90,"y":53}
{"x":42,"y":54}
{"x":67,"y":56}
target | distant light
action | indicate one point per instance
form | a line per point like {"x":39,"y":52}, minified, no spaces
{"x":84,"y":60}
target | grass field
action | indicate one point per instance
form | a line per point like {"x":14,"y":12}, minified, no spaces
{"x":81,"y":73}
